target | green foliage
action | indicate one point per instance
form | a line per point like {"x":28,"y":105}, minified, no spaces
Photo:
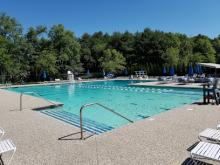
{"x":171,"y":56}
{"x":67,"y":49}
{"x":203,"y":46}
{"x":47,"y":62}
{"x":112,"y":61}
{"x":185,"y":51}
{"x":216,"y":45}
{"x":87,"y":58}
{"x":9,"y":27}
{"x":57,"y":50}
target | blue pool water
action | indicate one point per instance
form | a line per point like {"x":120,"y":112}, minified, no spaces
{"x":135,"y":103}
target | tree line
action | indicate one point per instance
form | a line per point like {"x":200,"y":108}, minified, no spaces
{"x":25,"y":55}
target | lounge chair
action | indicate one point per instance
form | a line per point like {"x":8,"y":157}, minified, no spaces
{"x":2,"y":132}
{"x":206,"y":150}
{"x":7,"y":146}
{"x":211,"y":91}
{"x":210,"y":134}
{"x":191,"y":80}
{"x":166,"y":80}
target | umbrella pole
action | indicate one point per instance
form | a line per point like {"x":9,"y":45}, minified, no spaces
{"x":215,"y":72}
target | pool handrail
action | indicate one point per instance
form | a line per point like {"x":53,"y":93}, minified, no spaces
{"x":21,"y":100}
{"x":106,"y":108}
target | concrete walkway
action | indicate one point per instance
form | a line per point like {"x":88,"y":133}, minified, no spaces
{"x":160,"y":140}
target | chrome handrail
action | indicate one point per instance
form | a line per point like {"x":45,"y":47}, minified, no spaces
{"x":106,"y":108}
{"x":21,"y":98}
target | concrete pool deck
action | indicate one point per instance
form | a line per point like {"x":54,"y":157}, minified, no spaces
{"x":160,"y":140}
{"x":2,"y":86}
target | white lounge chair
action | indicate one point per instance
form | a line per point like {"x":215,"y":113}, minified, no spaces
{"x":7,"y":146}
{"x":205,"y":150}
{"x":210,"y":134}
{"x":218,"y":126}
{"x":2,"y":132}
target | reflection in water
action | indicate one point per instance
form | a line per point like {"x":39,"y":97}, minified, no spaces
{"x":71,"y":89}
{"x":57,"y":86}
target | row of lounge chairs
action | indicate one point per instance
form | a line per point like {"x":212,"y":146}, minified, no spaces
{"x":6,"y":146}
{"x":186,"y":79}
{"x":209,"y":146}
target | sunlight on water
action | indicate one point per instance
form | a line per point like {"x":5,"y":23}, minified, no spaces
{"x":136,"y":103}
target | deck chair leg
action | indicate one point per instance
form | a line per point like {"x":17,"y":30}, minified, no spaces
{"x":2,"y":134}
{"x":1,"y":161}
{"x":216,"y":95}
{"x":194,"y":160}
{"x":9,"y":161}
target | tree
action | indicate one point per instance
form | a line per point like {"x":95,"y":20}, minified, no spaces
{"x":12,"y":54}
{"x":85,"y":52}
{"x":185,"y":53}
{"x":216,"y":45}
{"x":67,"y":49}
{"x":196,"y":57}
{"x":203,"y":45}
{"x":35,"y":45}
{"x":6,"y":63}
{"x":98,"y":45}
{"x":171,"y":56}
{"x":57,"y":50}
{"x":124,"y":43}
{"x":112,"y":61}
{"x":47,"y":62}
{"x":9,"y":27}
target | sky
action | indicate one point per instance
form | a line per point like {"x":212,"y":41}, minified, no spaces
{"x":191,"y":17}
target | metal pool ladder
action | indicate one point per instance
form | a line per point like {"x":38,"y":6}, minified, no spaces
{"x":34,"y":93}
{"x":106,"y":108}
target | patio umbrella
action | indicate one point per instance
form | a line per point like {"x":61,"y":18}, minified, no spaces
{"x":196,"y":69}
{"x":172,"y":71}
{"x":88,"y":72}
{"x":164,"y":71}
{"x":200,"y":69}
{"x":43,"y":75}
{"x":190,"y":71}
{"x":126,"y":71}
{"x":103,"y":73}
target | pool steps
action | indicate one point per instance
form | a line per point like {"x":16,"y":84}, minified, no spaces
{"x":70,"y":118}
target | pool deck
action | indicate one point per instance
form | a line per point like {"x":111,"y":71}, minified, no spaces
{"x":59,"y":82}
{"x":3,"y":86}
{"x":160,"y":140}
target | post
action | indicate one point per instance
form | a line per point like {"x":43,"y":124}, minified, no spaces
{"x":215,"y":72}
{"x":81,"y":124}
{"x":208,"y":93}
{"x":21,"y":95}
{"x":204,"y":94}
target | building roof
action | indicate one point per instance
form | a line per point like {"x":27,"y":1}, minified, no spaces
{"x":210,"y":65}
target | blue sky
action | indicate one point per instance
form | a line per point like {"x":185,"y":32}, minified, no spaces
{"x":185,"y":16}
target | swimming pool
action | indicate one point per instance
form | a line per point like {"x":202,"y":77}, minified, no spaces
{"x":135,"y":103}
